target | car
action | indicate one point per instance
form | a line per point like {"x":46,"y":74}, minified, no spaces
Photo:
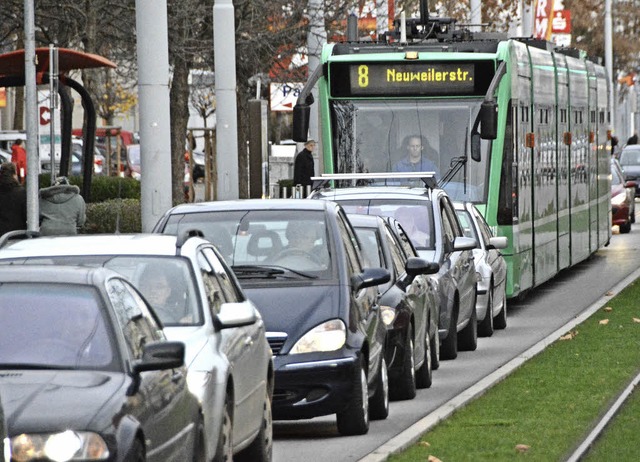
{"x":230,"y":369}
{"x":427,"y":214}
{"x":623,"y":204}
{"x":491,"y":268}
{"x":88,"y":372}
{"x":76,"y":159}
{"x":409,"y":303}
{"x":5,"y":156}
{"x":5,"y":447}
{"x":300,"y":261}
{"x":630,"y":162}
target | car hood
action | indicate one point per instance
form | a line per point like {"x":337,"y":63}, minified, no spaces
{"x":54,"y":400}
{"x":193,"y":337}
{"x":295,"y":310}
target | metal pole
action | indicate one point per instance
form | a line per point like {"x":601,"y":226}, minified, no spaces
{"x":608,"y":60}
{"x":226,"y":154}
{"x":153,"y":91}
{"x":31,"y":116}
{"x":317,"y":37}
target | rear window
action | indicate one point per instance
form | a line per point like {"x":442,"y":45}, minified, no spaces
{"x":630,"y":157}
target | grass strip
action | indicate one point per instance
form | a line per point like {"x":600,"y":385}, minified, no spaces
{"x":549,"y":405}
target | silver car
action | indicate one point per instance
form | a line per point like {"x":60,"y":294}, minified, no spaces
{"x":230,"y":367}
{"x":491,"y":269}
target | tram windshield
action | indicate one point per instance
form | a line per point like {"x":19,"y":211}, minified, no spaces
{"x":410,"y":136}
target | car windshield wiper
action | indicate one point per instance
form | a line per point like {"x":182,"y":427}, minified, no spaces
{"x":31,"y":366}
{"x":267,"y":271}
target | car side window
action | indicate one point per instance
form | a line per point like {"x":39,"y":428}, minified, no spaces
{"x":447,"y":230}
{"x":453,"y":218}
{"x":229,"y":289}
{"x":484,"y":228}
{"x":397,"y":256}
{"x":351,"y":245}
{"x":405,"y":242}
{"x":212,"y":288}
{"x":135,"y":319}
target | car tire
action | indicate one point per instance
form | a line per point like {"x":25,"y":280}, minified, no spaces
{"x":136,"y":453}
{"x":199,"y":446}
{"x":449,"y":347}
{"x":435,"y":351}
{"x":404,"y":387}
{"x":468,"y":340}
{"x":626,"y":228}
{"x":224,"y":450}
{"x":485,"y":327}
{"x":261,"y":449}
{"x":633,"y":211}
{"x":354,"y":419}
{"x":379,"y":402}
{"x":424,"y":376}
{"x":500,"y":321}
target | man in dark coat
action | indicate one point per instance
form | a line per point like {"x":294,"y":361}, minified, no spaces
{"x":13,"y":200}
{"x":303,"y":168}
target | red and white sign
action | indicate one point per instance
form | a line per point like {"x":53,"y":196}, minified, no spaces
{"x":284,"y":95}
{"x":542,"y":19}
{"x":561,"y":22}
{"x":45,"y":115}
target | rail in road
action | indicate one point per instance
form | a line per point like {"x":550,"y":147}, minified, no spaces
{"x":546,"y":313}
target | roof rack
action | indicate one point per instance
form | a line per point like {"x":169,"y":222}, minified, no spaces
{"x":428,"y":178}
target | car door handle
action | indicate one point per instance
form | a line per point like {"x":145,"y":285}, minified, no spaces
{"x":177,"y":376}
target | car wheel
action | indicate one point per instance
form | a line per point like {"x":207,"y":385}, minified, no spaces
{"x":485,"y":328}
{"x":500,"y":321}
{"x":435,"y":351}
{"x":449,"y":347}
{"x":261,"y":448}
{"x":136,"y":453}
{"x":354,"y":420}
{"x":633,"y":211}
{"x":424,"y":377}
{"x":624,"y":229}
{"x":224,"y":450}
{"x":468,"y":340}
{"x":379,"y":402}
{"x":404,"y":387}
{"x":199,"y":449}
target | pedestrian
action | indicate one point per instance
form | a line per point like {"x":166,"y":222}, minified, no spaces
{"x":13,"y":200}
{"x":62,"y":208}
{"x":615,"y":147}
{"x":19,"y":157}
{"x":633,"y":139}
{"x":303,"y":168}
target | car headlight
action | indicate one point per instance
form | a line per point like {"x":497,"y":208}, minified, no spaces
{"x":618,"y":199}
{"x":387,"y":314}
{"x":60,"y":447}
{"x":328,"y":336}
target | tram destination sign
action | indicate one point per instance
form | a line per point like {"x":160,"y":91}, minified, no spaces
{"x":410,"y":78}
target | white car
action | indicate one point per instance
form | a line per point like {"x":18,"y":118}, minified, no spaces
{"x":229,"y":361}
{"x":491,"y":269}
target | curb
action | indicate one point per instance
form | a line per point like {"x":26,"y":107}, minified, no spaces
{"x":412,"y":434}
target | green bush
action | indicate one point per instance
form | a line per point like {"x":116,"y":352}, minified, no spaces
{"x":103,"y":188}
{"x":113,"y":216}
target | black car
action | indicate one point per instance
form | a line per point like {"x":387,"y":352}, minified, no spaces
{"x":86,"y":371}
{"x":428,"y":216}
{"x":408,"y":302}
{"x":300,"y":262}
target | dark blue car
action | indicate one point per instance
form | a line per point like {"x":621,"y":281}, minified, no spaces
{"x":301,"y":263}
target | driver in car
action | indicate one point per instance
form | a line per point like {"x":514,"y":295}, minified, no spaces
{"x":302,"y":237}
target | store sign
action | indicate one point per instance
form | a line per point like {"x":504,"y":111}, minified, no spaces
{"x":542,"y":19}
{"x":561,"y":22}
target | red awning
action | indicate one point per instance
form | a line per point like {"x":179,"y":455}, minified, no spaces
{"x":12,"y":64}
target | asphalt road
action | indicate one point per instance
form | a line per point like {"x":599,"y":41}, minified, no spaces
{"x":542,"y":312}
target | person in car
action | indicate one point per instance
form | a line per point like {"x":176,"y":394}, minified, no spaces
{"x":301,"y":242}
{"x":411,"y":224}
{"x":160,"y":285}
{"x":419,"y":156}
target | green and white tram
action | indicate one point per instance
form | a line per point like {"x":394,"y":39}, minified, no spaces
{"x":514,"y":125}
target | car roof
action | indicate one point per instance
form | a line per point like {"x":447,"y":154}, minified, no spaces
{"x":95,"y":244}
{"x":55,"y":274}
{"x":251,"y":204}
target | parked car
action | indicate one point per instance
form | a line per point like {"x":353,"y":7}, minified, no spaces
{"x":630,"y":163}
{"x":427,"y":214}
{"x":623,"y":203}
{"x":491,"y":268}
{"x":5,"y":156}
{"x":76,"y":159}
{"x":5,"y":447}
{"x":409,"y":303}
{"x":301,"y":262}
{"x":132,"y":163}
{"x":87,"y":370}
{"x":200,"y":303}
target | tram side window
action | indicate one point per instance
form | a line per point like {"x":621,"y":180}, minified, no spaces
{"x":506,"y":198}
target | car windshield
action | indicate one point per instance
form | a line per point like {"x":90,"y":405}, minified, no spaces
{"x":166,"y":282}
{"x":415,"y":216}
{"x":53,"y":326}
{"x":295,"y":241}
{"x":630,"y":157}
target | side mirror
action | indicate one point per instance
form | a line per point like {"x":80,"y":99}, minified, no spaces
{"x":158,"y":356}
{"x":498,"y":242}
{"x":464,"y":243}
{"x":301,"y":117}
{"x":370,"y":277}
{"x":475,"y":147}
{"x":488,"y":120}
{"x":417,"y":265}
{"x":236,"y":315}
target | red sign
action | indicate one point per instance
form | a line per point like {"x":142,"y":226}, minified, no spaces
{"x":542,"y":19}
{"x":45,"y":115}
{"x":561,"y":22}
{"x":3,"y":97}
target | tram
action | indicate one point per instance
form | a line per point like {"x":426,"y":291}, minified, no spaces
{"x":515,"y":125}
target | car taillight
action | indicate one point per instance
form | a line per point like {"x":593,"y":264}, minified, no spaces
{"x":97,"y":161}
